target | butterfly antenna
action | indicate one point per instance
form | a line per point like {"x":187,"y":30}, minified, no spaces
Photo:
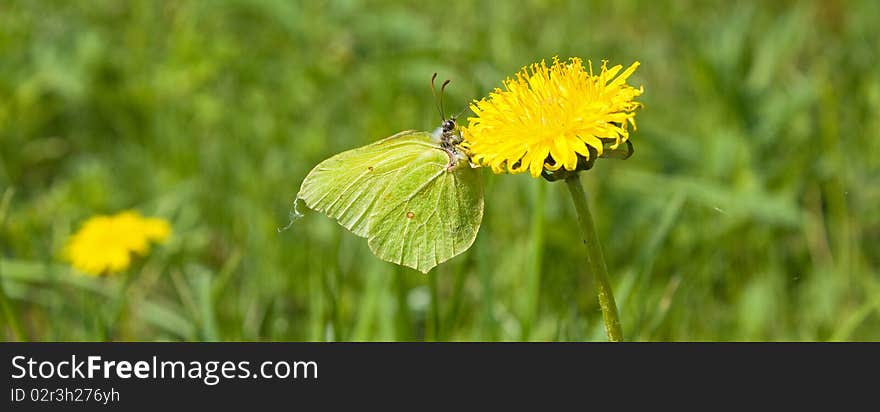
{"x":437,"y":102}
{"x":442,"y":89}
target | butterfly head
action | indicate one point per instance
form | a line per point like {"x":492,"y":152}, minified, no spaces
{"x":447,"y":134}
{"x":448,"y":125}
{"x":450,"y":136}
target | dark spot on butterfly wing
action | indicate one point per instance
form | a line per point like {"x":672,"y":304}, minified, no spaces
{"x":410,"y":215}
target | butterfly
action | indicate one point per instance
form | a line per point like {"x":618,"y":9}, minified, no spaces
{"x":414,"y":196}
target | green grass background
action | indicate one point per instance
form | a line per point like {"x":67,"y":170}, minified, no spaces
{"x":750,"y":210}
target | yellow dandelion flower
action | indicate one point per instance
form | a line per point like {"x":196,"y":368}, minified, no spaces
{"x":549,"y":118}
{"x":104,"y":244}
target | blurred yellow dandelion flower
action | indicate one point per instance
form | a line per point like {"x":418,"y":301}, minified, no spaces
{"x":548,"y":118}
{"x":104,"y":244}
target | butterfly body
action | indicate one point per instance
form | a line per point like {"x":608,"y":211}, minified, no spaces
{"x":413,"y":196}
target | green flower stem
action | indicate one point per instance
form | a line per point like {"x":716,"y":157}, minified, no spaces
{"x":595,"y":260}
{"x":533,"y":272}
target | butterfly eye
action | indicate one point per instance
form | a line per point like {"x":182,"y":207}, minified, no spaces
{"x":449,"y":124}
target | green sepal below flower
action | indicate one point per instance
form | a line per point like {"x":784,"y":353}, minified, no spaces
{"x":621,"y":152}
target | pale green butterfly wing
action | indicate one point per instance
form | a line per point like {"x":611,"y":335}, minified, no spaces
{"x":431,"y":214}
{"x":403,"y":196}
{"x":347,"y":186}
